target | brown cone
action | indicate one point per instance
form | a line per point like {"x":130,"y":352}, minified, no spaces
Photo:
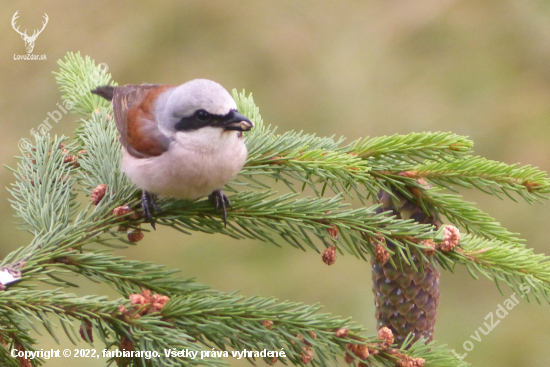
{"x":406,"y":299}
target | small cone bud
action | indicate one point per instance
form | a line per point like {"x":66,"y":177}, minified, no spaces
{"x":382,"y":255}
{"x":126,"y":344}
{"x":154,"y":302}
{"x":329,"y":255}
{"x":135,"y":235}
{"x":98,"y":193}
{"x":429,"y":247}
{"x":307,"y":356}
{"x":87,"y":332}
{"x":386,"y":335}
{"x":333,"y":231}
{"x":348,"y":358}
{"x":119,"y":211}
{"x":341,"y":332}
{"x":362,"y":351}
{"x":158,"y":301}
{"x":406,"y":361}
{"x":122,"y":309}
{"x":267,"y":323}
{"x":137,"y":299}
{"x":451,"y":238}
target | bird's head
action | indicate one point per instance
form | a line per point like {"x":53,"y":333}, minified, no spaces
{"x":200,"y":103}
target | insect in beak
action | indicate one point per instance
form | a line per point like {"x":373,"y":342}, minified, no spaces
{"x":238,"y":122}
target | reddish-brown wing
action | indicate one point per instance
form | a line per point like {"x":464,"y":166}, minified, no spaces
{"x":133,"y":110}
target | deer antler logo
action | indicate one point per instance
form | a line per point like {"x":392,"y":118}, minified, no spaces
{"x":29,"y":41}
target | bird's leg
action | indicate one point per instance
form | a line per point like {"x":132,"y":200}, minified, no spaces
{"x":149,"y":204}
{"x":219,"y":199}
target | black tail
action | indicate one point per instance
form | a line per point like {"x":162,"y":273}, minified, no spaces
{"x":106,"y":92}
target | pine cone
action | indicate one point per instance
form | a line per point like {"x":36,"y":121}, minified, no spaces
{"x":406,"y":300}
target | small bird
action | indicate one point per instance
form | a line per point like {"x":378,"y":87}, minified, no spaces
{"x":181,"y":141}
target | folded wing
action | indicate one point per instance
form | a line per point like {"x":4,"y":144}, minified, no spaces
{"x":133,"y":112}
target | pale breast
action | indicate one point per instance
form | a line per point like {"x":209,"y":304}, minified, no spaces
{"x":196,"y":164}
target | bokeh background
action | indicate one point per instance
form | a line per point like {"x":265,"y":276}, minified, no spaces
{"x":356,"y":68}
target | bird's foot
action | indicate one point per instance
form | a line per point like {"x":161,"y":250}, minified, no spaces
{"x":219,"y":199}
{"x":149,"y":205}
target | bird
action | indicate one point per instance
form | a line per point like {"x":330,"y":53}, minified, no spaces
{"x":181,"y":141}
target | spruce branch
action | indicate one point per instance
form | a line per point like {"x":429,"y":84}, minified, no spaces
{"x":403,"y":158}
{"x":516,"y":266}
{"x":49,"y":177}
{"x":198,"y":323}
{"x":125,"y":276}
{"x":42,"y":195}
{"x":490,"y":177}
{"x":295,"y":156}
{"x":257,"y":214}
{"x":465,"y":214}
{"x":412,"y":147}
{"x":100,"y":163}
{"x":76,"y":77}
{"x":12,"y":337}
{"x":53,"y":255}
{"x":381,"y":164}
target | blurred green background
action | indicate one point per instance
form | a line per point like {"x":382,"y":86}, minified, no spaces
{"x":356,"y":68}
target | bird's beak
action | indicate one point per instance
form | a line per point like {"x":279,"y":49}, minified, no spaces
{"x":238,"y":122}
